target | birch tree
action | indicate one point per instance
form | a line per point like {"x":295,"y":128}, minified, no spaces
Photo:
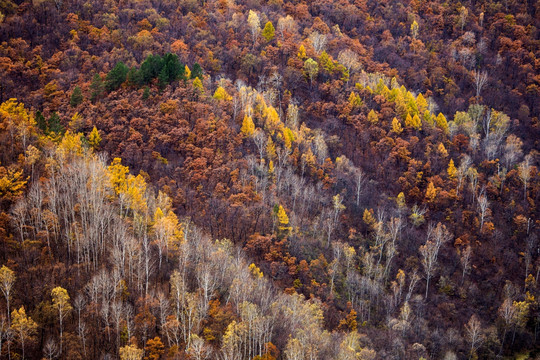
{"x":7,"y":279}
{"x":60,"y":300}
{"x":430,"y":251}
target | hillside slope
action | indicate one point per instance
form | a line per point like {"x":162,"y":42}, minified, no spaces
{"x":269,"y":180}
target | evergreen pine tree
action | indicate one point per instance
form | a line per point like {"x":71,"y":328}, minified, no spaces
{"x":96,"y":88}
{"x":76,"y":97}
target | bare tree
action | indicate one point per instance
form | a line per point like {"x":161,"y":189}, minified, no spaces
{"x":50,"y":350}
{"x":507,"y":311}
{"x":430,"y":250}
{"x":483,"y":206}
{"x":394,"y":228}
{"x":198,"y":349}
{"x":462,"y":171}
{"x":81,"y":331}
{"x":465,"y":260}
{"x":349,"y":59}
{"x":480,"y":80}
{"x":360,"y":181}
{"x":472,"y":173}
{"x":292,"y":116}
{"x":512,"y":150}
{"x":318,"y":41}
{"x":524,"y":170}
{"x":473,"y":329}
{"x":259,"y":138}
{"x":4,"y":331}
{"x":286,"y":24}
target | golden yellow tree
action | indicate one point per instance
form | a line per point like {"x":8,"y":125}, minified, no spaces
{"x":414,"y":29}
{"x":442,"y":150}
{"x":222,"y":94}
{"x":400,"y":200}
{"x":117,"y":175}
{"x":283,"y":220}
{"x":372,"y":117}
{"x":368,"y":218}
{"x":12,"y":183}
{"x":288,"y":137}
{"x":441,"y":122}
{"x":431,"y":192}
{"x":409,"y":121}
{"x":421,"y":103}
{"x":23,"y":326}
{"x":355,"y":100}
{"x":255,"y":271}
{"x":135,"y":193}
{"x":60,"y":300}
{"x":94,"y":139}
{"x":396,"y":126}
{"x":270,"y":148}
{"x":302,"y":52}
{"x":248,"y":127}
{"x":416,"y":122}
{"x":197,"y":84}
{"x":452,"y":171}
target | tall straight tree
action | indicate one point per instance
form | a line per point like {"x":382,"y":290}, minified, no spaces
{"x":7,"y":279}
{"x":60,"y":300}
{"x":436,"y":237}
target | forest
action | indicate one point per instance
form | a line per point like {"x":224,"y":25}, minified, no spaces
{"x":269,"y":179}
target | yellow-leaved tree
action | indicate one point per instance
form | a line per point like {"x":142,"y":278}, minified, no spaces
{"x":248,"y":127}
{"x":368,"y":218}
{"x":396,"y":126}
{"x":94,"y":139}
{"x":269,"y":31}
{"x":23,"y":327}
{"x":12,"y":183}
{"x":222,"y":94}
{"x":302,"y":52}
{"x":452,"y":171}
{"x":441,"y":122}
{"x":272,"y":119}
{"x":421,"y":103}
{"x":7,"y":279}
{"x":270,"y":148}
{"x":400,"y":201}
{"x":197,"y":84}
{"x":413,"y":121}
{"x":135,"y":193}
{"x":442,"y":150}
{"x":431,"y":192}
{"x":414,"y":29}
{"x":131,"y":352}
{"x":117,"y":175}
{"x":255,"y":271}
{"x":283,"y":221}
{"x":372,"y":117}
{"x":288,"y":137}
{"x":61,"y":303}
{"x":167,"y":231}
{"x":17,"y":121}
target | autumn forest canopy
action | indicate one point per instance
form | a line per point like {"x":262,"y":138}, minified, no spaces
{"x":269,"y":179}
